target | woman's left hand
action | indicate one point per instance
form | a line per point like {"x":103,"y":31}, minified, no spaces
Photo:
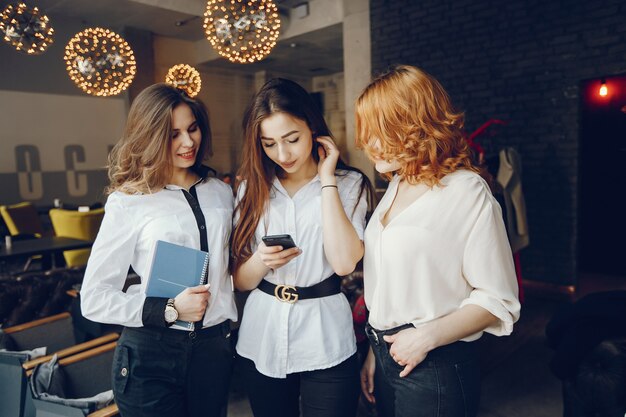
{"x":329,"y":155}
{"x":409,"y":347}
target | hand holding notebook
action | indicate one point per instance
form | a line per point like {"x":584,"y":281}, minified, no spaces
{"x":192,"y":303}
{"x":176,"y":268}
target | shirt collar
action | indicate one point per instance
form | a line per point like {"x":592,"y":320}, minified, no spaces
{"x":278,"y":186}
{"x":203,"y":172}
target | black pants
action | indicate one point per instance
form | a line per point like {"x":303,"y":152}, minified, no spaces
{"x":173,"y":373}
{"x":445,"y":384}
{"x":332,"y":392}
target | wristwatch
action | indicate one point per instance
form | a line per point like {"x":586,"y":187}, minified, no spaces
{"x":171,"y":314}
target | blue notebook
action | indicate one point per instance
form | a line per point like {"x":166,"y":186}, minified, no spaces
{"x":175,"y":268}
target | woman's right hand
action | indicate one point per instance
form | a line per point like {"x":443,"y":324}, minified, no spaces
{"x":274,"y":257}
{"x":192,"y":303}
{"x":367,"y":376}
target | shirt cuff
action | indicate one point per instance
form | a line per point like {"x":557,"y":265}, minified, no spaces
{"x":153,"y":313}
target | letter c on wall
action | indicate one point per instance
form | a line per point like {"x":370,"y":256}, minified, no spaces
{"x":76,"y":183}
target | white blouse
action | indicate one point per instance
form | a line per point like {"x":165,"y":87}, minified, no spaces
{"x":447,"y":249}
{"x":131,"y":226}
{"x":282,"y":338}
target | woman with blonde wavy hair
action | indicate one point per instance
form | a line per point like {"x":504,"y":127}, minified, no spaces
{"x":161,"y":191}
{"x":438,"y":268}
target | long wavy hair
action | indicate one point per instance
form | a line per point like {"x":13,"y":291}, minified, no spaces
{"x":278,"y":95}
{"x":141,"y":160}
{"x":405,"y":115}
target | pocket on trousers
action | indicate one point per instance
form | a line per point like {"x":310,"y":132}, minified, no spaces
{"x":468,"y":374}
{"x":121,"y":369}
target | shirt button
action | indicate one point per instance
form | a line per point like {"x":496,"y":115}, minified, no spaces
{"x":202,"y":227}
{"x":124,"y":371}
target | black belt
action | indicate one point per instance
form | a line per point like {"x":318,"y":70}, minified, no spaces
{"x":377,"y":335}
{"x":291,"y":294}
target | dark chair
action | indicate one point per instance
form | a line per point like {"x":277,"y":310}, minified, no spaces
{"x":589,"y":342}
{"x":85,"y":375}
{"x":598,"y":389}
{"x":22,"y":218}
{"x":32,"y":295}
{"x":56,"y":334}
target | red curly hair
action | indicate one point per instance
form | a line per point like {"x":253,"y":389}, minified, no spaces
{"x":405,"y":115}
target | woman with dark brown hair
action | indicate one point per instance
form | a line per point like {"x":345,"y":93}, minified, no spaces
{"x":296,"y":339}
{"x":161,"y":191}
{"x":438,"y":269}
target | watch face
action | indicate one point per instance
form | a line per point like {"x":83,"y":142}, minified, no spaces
{"x":170,"y":315}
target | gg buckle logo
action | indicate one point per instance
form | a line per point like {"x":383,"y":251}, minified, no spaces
{"x":286,"y":293}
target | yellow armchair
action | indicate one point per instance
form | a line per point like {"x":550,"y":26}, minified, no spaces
{"x":22,"y":218}
{"x":78,"y":225}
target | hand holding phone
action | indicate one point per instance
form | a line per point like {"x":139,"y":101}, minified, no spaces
{"x":279,"y":240}
{"x":274,"y":258}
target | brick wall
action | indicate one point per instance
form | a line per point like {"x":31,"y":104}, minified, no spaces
{"x":521,"y":61}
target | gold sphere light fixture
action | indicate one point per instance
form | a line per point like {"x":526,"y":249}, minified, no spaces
{"x":186,"y":78}
{"x":26,"y":29}
{"x":100,"y":62}
{"x":243,"y":31}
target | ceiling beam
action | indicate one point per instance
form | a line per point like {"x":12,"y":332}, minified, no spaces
{"x":193,"y":7}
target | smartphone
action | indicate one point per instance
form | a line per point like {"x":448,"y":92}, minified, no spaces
{"x":279,"y":240}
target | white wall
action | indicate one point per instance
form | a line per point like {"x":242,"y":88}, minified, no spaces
{"x":51,"y":122}
{"x":55,"y":146}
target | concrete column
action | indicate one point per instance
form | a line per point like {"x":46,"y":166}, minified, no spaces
{"x":357,"y":68}
{"x":260,"y":78}
{"x":142,"y":44}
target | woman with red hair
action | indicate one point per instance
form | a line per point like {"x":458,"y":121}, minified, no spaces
{"x":438,"y":270}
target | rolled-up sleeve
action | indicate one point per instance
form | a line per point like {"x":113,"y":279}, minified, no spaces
{"x":488,"y":267}
{"x":102,"y":299}
{"x":355,"y":203}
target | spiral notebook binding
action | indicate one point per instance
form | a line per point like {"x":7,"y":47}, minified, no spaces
{"x":205,"y":267}
{"x":192,"y":326}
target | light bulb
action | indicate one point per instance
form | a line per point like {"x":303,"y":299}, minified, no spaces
{"x":603,"y":90}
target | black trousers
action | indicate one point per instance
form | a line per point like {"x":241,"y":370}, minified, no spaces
{"x":173,"y":373}
{"x":445,"y":384}
{"x":332,"y":392}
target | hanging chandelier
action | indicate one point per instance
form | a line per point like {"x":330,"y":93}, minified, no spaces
{"x":186,"y":78}
{"x":243,"y":31}
{"x":26,"y":28}
{"x":100,"y":62}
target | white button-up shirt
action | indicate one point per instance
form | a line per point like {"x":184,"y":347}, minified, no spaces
{"x":447,"y":249}
{"x":283,"y":338}
{"x":131,"y":226}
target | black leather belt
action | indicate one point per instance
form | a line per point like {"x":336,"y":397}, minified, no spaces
{"x":291,"y":294}
{"x":377,"y":335}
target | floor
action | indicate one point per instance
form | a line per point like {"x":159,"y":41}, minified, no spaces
{"x":516,"y":378}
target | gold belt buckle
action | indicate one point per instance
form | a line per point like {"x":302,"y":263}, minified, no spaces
{"x":286,"y":293}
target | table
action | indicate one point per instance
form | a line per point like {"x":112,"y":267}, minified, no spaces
{"x":46,"y":246}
